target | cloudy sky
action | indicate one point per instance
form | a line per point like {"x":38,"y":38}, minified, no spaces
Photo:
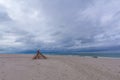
{"x":59,"y":25}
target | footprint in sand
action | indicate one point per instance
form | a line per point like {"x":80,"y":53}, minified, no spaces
{"x":2,"y":79}
{"x":2,"y":72}
{"x":3,"y":63}
{"x":3,"y":75}
{"x":38,"y":64}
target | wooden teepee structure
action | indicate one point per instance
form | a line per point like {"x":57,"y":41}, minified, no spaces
{"x":39,"y":55}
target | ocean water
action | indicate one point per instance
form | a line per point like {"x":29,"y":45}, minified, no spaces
{"x":91,"y":54}
{"x":113,"y":55}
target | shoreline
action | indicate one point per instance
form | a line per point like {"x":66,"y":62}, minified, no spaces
{"x":61,"y":55}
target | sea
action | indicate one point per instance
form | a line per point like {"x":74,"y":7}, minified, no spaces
{"x":91,"y":54}
{"x":88,"y":54}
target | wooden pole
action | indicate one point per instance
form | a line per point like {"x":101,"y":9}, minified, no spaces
{"x":39,"y":55}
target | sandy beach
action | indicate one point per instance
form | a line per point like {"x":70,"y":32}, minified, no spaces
{"x":22,"y":67}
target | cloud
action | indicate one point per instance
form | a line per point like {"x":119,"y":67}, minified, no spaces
{"x":102,"y":17}
{"x":58,"y":24}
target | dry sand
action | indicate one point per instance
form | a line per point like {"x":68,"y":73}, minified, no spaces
{"x":22,"y":67}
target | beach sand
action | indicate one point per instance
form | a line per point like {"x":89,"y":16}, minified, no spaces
{"x":22,"y":67}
